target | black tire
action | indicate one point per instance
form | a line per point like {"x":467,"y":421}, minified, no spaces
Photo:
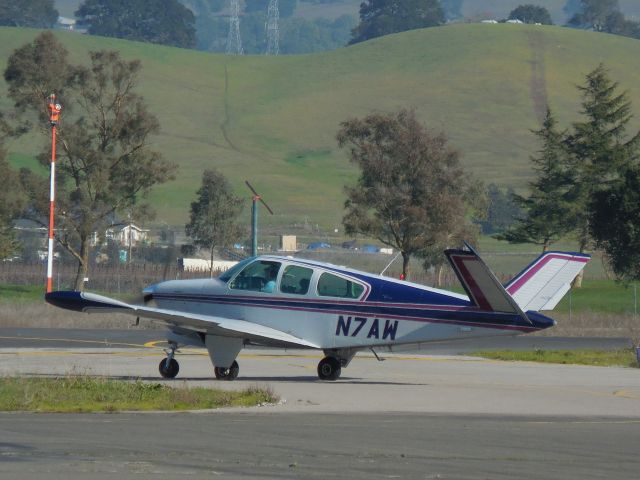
{"x":329,"y":368}
{"x":230,"y":373}
{"x":168,"y":371}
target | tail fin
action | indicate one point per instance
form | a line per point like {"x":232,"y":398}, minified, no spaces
{"x":546,"y":280}
{"x":481,"y":285}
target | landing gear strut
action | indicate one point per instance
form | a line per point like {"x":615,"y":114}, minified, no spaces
{"x":329,"y":368}
{"x":230,"y":373}
{"x":169,"y":367}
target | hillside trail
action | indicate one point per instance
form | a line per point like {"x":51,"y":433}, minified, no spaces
{"x":538,"y":82}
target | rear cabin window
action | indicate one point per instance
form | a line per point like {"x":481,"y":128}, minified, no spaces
{"x":333,"y":286}
{"x":259,"y":276}
{"x":296,"y":280}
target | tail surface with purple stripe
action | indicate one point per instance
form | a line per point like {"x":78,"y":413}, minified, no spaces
{"x":542,"y":284}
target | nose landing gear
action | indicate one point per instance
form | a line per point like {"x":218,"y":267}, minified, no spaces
{"x":169,"y":366}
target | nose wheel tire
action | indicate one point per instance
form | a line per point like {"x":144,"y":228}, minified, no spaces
{"x":329,"y":368}
{"x":169,"y":368}
{"x":230,"y":373}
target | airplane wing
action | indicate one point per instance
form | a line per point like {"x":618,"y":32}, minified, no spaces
{"x":93,"y":303}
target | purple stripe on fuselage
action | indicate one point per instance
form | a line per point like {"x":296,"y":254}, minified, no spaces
{"x":431,"y":314}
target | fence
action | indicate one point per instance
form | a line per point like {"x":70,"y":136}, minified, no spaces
{"x":118,"y":279}
{"x":132,"y":278}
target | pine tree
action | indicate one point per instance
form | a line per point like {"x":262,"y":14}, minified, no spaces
{"x":213,"y":221}
{"x":599,"y":150}
{"x":615,"y":224}
{"x":548,"y":211}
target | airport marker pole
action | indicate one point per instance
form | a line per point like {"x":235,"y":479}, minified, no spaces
{"x":54,"y":112}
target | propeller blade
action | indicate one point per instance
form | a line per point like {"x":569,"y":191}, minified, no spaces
{"x":266,"y":206}
{"x":251,"y":188}
{"x":259,"y":197}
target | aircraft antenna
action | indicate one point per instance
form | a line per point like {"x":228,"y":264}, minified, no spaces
{"x":273,"y":32}
{"x":389,"y":264}
{"x":234,"y":42}
{"x":254,"y":217}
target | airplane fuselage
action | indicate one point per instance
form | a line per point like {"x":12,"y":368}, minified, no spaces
{"x":388,"y":312}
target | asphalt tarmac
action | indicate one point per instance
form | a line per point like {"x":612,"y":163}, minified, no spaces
{"x":316,"y":446}
{"x":410,"y":416}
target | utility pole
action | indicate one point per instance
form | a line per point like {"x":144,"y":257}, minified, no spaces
{"x":254,"y":217}
{"x":54,"y":115}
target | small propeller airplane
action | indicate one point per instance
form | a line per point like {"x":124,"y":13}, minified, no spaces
{"x":296,"y":303}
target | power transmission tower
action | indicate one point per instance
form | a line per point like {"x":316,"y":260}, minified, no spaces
{"x":273,"y":33}
{"x":234,"y":42}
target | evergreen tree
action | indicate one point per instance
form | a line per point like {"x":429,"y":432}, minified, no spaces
{"x":615,"y":223}
{"x":502,"y":211}
{"x":213,"y":221}
{"x":594,"y":14}
{"x":598,"y":147}
{"x":166,"y":22}
{"x":547,"y":210}
{"x":382,"y":17}
{"x":28,"y":13}
{"x":452,"y":9}
{"x":530,"y":13}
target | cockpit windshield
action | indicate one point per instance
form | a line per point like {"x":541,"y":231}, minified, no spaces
{"x":259,"y":276}
{"x":229,"y":274}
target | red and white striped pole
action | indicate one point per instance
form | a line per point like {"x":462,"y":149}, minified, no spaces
{"x":54,"y":112}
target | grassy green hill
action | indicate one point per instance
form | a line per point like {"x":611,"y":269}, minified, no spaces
{"x":273,"y":120}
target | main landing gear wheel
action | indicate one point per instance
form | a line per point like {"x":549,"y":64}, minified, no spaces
{"x":230,"y":373}
{"x":329,"y":368}
{"x":169,"y":367}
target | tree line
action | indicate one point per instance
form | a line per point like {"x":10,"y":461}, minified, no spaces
{"x":202,"y":24}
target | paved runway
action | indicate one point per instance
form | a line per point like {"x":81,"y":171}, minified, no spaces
{"x":316,"y":446}
{"x":411,"y":416}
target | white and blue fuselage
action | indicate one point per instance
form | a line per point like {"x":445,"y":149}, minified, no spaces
{"x":291,"y":302}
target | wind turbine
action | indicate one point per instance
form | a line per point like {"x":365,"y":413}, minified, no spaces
{"x":254,"y":218}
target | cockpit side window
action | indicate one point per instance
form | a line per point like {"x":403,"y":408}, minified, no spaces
{"x":259,"y":276}
{"x":296,"y":280}
{"x":333,"y":286}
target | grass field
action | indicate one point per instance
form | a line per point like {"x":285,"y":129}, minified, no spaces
{"x":273,"y":120}
{"x":603,"y":358}
{"x":79,"y":393}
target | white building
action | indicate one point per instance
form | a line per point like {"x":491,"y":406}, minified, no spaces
{"x":127,"y":235}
